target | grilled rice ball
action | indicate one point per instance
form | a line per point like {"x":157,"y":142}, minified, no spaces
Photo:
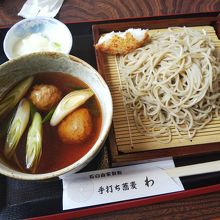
{"x":44,"y":96}
{"x":75,"y":127}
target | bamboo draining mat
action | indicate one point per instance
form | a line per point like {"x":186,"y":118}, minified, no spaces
{"x":128,"y":138}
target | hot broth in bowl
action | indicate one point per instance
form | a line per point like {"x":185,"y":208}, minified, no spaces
{"x":57,"y":152}
{"x":58,"y":119}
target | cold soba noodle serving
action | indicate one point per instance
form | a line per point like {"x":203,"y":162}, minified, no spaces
{"x":48,"y":122}
{"x":172,"y":82}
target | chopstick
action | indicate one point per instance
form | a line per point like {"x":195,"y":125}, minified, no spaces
{"x":195,"y":169}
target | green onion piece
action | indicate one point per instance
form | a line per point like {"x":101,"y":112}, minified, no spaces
{"x":69,"y":103}
{"x":33,"y":110}
{"x":14,"y":96}
{"x":34,"y":143}
{"x":49,"y":115}
{"x":57,"y":45}
{"x":71,"y":86}
{"x":17,"y":127}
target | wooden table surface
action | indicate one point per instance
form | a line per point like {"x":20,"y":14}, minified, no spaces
{"x":198,"y":207}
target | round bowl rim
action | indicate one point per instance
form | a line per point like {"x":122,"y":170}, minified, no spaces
{"x":35,"y":18}
{"x":83,"y":161}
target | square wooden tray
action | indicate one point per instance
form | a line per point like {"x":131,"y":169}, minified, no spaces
{"x":121,"y":157}
{"x":45,"y":198}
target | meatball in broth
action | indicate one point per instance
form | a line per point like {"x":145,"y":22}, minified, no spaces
{"x":76,"y":127}
{"x":44,"y":96}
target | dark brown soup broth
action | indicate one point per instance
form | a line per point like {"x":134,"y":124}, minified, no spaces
{"x":55,"y":154}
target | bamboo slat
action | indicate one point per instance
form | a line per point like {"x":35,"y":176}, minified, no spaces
{"x":128,"y":137}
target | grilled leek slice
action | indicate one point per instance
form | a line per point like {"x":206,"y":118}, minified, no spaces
{"x":69,"y":103}
{"x":14,"y":96}
{"x":34,"y":143}
{"x":17,"y":128}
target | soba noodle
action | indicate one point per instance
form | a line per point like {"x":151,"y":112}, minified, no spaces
{"x":172,"y":82}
